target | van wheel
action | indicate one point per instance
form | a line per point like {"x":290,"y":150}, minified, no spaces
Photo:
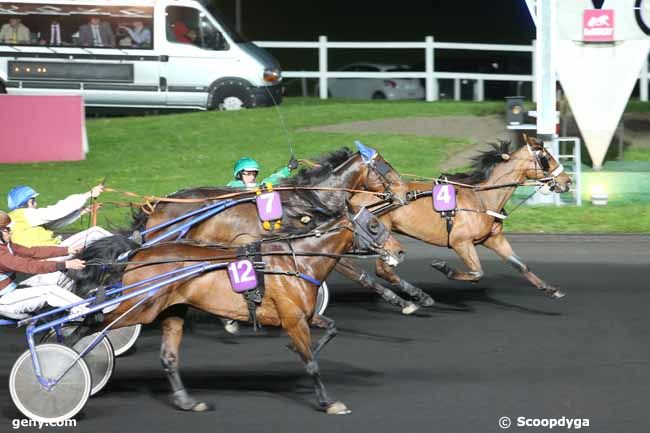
{"x":231,"y":97}
{"x":378,"y":95}
{"x":3,"y":89}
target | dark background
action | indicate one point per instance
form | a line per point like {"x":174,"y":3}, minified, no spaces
{"x":478,"y":21}
{"x":475,"y":21}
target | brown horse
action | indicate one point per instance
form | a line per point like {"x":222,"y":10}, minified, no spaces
{"x":496,"y":175}
{"x":288,"y":300}
{"x":240,"y":224}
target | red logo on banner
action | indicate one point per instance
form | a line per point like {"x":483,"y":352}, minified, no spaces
{"x":598,"y":25}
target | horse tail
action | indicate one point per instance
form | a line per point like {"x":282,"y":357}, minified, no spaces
{"x":100,"y":258}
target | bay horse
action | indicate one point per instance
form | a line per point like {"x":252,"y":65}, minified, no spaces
{"x":288,"y":301}
{"x":240,"y":224}
{"x":495,"y":176}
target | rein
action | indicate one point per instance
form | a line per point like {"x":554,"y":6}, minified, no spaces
{"x":153,"y":198}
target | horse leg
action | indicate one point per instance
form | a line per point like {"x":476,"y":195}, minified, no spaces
{"x":296,"y":326}
{"x":500,"y":245}
{"x":330,"y":332}
{"x":387,"y":272}
{"x":172,"y":329}
{"x":347,"y":268}
{"x":467,"y":252}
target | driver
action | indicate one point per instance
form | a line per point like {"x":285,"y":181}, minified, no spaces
{"x":246,"y":170}
{"x":17,"y":301}
{"x":33,"y":224}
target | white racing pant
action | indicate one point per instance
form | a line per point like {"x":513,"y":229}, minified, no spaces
{"x":30,"y":299}
{"x":49,"y":288}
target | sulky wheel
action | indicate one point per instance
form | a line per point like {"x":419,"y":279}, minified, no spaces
{"x":322,"y":299}
{"x":124,"y":338}
{"x":65,"y":399}
{"x":100,"y":360}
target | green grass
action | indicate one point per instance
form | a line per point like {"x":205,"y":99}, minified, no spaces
{"x":613,"y":218}
{"x":637,"y":154}
{"x":637,"y":106}
{"x":160,"y":154}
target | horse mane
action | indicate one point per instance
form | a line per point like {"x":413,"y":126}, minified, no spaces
{"x":323,"y":169}
{"x":482,"y":164}
{"x":99,"y":270}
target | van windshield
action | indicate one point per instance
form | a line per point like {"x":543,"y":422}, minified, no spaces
{"x":234,"y":35}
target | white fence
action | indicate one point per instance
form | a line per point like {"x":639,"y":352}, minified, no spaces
{"x":430,"y":75}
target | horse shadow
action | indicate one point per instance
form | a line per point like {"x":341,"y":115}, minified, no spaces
{"x":286,"y":379}
{"x":453,"y":297}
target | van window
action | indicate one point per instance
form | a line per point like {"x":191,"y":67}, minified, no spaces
{"x":55,"y":25}
{"x":187,"y":25}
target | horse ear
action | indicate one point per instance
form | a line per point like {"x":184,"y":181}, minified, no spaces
{"x":505,"y":146}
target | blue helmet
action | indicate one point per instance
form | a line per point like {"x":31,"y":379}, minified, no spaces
{"x":19,"y":195}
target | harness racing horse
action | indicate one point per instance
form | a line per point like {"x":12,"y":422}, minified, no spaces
{"x":240,"y":224}
{"x":496,"y":175}
{"x":295,"y":261}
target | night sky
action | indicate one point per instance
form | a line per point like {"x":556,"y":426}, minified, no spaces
{"x":486,"y":21}
{"x":452,"y":20}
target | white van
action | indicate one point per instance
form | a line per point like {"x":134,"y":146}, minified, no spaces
{"x":132,"y":53}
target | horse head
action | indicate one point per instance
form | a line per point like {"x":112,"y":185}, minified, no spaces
{"x":542,"y":166}
{"x":370,"y":234}
{"x":378,"y":176}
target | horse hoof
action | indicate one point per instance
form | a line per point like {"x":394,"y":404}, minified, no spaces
{"x":337,"y":408}
{"x":201,"y":407}
{"x":183,"y":401}
{"x":231,"y":327}
{"x":557,"y":294}
{"x":438,"y":264}
{"x":410,"y":309}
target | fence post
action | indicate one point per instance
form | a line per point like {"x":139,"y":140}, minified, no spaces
{"x":456,"y":89}
{"x":577,"y":171}
{"x":431,"y":83}
{"x":643,"y":83}
{"x":479,"y":90}
{"x":322,"y":66}
{"x":534,"y":69}
{"x":303,"y":86}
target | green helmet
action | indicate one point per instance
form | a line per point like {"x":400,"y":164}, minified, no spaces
{"x":245,"y":163}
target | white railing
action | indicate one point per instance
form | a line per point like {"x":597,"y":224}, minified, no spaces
{"x":430,"y":75}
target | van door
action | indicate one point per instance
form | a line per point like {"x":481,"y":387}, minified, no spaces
{"x":198,"y":54}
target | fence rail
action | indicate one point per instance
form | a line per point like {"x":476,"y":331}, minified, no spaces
{"x":430,"y":75}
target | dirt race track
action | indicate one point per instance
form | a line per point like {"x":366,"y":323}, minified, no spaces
{"x":485,"y":351}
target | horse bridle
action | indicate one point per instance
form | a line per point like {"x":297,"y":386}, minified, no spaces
{"x":541,"y":160}
{"x":381,"y":168}
{"x":370,"y":234}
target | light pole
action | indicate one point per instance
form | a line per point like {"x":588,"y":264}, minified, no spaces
{"x":238,"y":16}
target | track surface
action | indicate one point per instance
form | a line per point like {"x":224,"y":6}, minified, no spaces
{"x":484,"y":351}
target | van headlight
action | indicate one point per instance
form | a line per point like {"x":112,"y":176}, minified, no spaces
{"x":271,"y":75}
